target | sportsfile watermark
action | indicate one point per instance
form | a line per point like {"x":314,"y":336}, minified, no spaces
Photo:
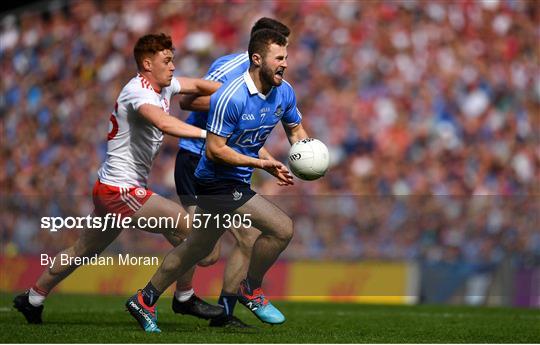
{"x":117,"y":221}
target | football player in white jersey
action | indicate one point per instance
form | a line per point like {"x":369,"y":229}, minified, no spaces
{"x":137,"y":123}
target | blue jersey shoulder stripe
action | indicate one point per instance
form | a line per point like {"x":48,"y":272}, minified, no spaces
{"x":228,"y":66}
{"x":214,"y":73}
{"x":224,"y":98}
{"x":224,"y":107}
{"x":227,"y":88}
{"x":221,"y":106}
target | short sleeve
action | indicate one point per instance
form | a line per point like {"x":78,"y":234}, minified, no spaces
{"x":292,"y":116}
{"x":139,"y":96}
{"x":215,"y":71}
{"x":175,"y":87}
{"x":224,"y":113}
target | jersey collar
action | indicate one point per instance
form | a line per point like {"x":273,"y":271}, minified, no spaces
{"x":252,"y":88}
{"x":146,"y":84}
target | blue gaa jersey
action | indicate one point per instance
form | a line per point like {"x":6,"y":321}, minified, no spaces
{"x":223,"y":69}
{"x":245,"y":117}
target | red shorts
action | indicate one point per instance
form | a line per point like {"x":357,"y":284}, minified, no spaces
{"x":120,"y":200}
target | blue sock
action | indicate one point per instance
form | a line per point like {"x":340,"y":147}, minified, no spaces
{"x":227,"y":301}
{"x":150,"y":294}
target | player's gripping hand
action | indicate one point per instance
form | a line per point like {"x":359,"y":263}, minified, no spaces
{"x":279,"y":170}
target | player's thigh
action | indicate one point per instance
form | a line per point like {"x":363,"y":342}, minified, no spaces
{"x":267,"y":217}
{"x":92,"y":241}
{"x":168,"y":215}
{"x":213,"y":257}
{"x":184,"y":177}
{"x":204,"y":235}
{"x":190,"y":211}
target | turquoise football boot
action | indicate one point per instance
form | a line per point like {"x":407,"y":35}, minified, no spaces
{"x":259,"y":305}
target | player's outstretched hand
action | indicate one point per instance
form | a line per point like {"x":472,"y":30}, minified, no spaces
{"x":279,"y":170}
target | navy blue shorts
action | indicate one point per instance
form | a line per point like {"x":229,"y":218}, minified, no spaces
{"x":222,"y":196}
{"x":184,"y":177}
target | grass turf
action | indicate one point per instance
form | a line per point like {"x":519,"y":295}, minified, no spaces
{"x":102,"y":319}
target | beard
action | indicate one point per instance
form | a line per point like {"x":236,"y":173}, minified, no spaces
{"x":267,"y":76}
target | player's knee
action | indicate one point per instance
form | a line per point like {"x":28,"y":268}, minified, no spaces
{"x":247,"y":240}
{"x":209,"y":260}
{"x":171,"y":263}
{"x":199,"y":251}
{"x":285,"y":230}
{"x":175,"y":238}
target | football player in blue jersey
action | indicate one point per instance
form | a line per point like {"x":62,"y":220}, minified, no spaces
{"x":190,"y":151}
{"x":242,"y":114}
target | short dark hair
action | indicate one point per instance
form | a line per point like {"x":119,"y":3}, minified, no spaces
{"x":149,"y":45}
{"x":262,"y":39}
{"x":269,"y":23}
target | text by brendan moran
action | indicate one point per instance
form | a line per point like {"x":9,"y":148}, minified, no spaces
{"x":96,"y":260}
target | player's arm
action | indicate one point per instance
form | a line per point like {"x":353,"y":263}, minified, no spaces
{"x":292,"y":120}
{"x":264,"y":154}
{"x":218,"y":151}
{"x":202,"y":103}
{"x":295,"y":133}
{"x":169,"y":124}
{"x":195,"y":103}
{"x":198,"y":87}
{"x":196,"y":93}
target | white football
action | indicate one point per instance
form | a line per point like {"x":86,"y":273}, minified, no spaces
{"x":309,"y":159}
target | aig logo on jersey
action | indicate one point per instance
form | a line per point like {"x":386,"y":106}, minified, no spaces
{"x":248,"y":117}
{"x":254,"y":137}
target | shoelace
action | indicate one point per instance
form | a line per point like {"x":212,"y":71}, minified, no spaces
{"x":258,"y":297}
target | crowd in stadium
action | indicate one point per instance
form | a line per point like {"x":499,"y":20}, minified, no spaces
{"x":430,"y":109}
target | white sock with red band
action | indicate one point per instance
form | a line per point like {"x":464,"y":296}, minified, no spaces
{"x":36,"y":296}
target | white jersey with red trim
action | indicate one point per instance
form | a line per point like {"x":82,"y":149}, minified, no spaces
{"x":133,"y":142}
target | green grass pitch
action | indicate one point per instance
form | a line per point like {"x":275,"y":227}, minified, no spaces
{"x":96,"y":319}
